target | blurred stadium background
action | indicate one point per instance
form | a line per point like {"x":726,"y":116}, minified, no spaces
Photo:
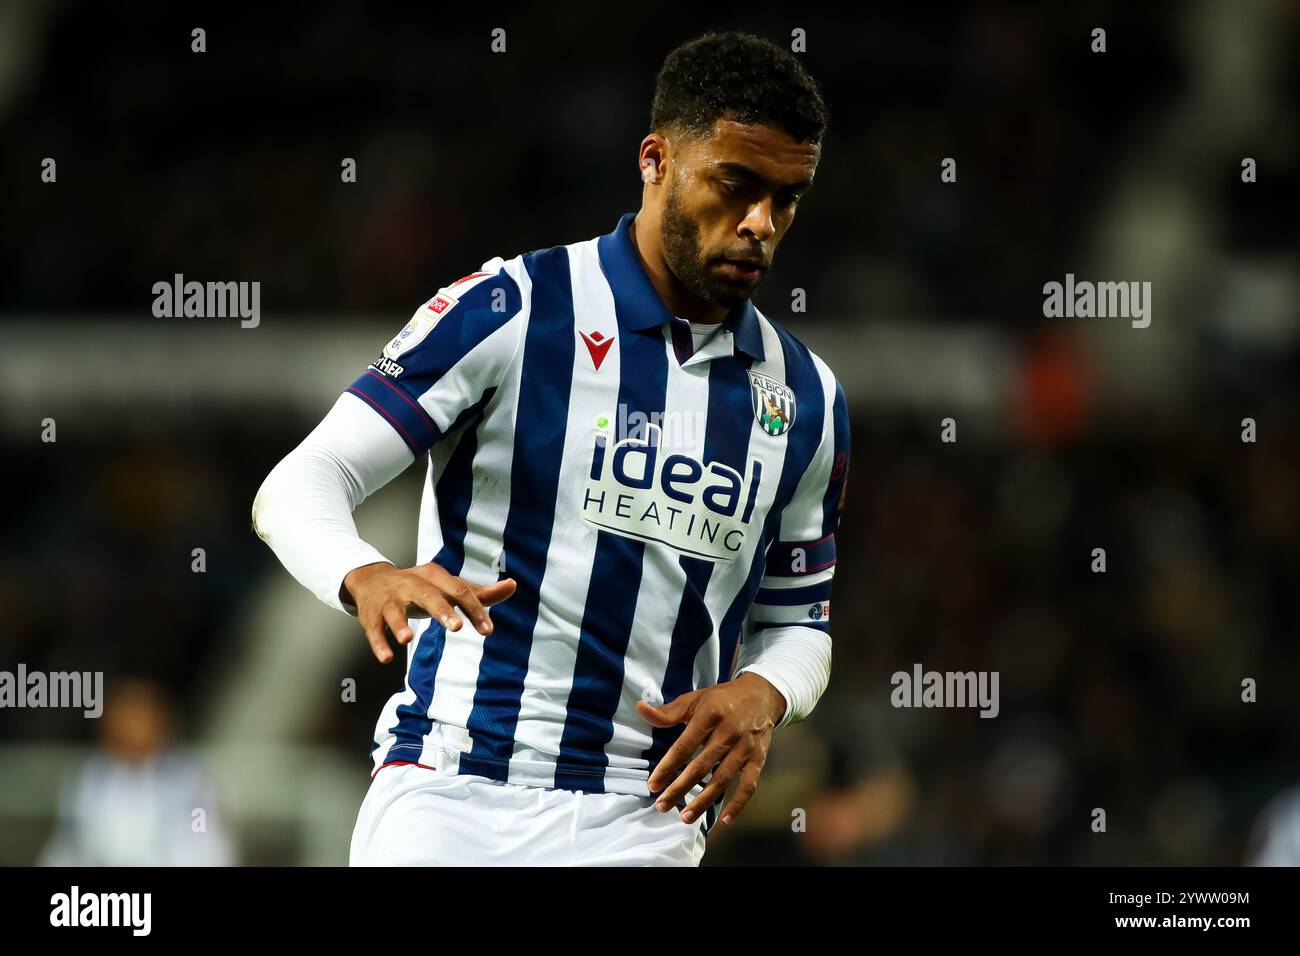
{"x":1118,"y":690}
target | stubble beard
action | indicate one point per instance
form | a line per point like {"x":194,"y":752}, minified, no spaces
{"x":680,"y":237}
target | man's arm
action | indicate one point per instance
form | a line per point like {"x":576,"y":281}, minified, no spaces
{"x":787,"y":636}
{"x":303,"y":510}
{"x":433,"y":377}
{"x":785,"y":659}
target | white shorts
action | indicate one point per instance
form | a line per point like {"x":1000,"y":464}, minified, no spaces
{"x":418,"y":816}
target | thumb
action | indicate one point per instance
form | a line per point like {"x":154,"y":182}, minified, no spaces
{"x":676,"y":712}
{"x":496,"y":592}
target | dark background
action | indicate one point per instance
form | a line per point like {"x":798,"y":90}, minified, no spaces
{"x":1119,"y":690}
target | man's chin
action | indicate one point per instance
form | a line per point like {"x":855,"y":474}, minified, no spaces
{"x":733,"y":294}
{"x":722,"y":291}
{"x":727,"y":298}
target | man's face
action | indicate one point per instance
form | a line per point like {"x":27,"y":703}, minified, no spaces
{"x":730,"y":200}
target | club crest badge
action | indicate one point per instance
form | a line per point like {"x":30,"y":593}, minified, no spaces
{"x":774,"y":405}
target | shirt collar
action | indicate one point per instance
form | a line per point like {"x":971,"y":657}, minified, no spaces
{"x":638,"y":304}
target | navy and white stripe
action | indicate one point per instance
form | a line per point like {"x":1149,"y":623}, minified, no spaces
{"x":578,"y":444}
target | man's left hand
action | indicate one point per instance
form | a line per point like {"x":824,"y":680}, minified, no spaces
{"x":733,"y":722}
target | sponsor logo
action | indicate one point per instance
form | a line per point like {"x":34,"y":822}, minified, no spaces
{"x":386,"y":366}
{"x":597,"y":345}
{"x":774,"y":405}
{"x":411,"y":335}
{"x":440,"y":303}
{"x":820,"y":611}
{"x":637,"y":490}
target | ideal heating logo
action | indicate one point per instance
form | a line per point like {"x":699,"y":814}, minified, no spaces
{"x":702,"y":509}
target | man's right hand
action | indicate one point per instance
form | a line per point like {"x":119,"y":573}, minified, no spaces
{"x":385,"y":596}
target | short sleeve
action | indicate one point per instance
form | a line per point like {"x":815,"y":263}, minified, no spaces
{"x":796,"y":584}
{"x":445,"y":364}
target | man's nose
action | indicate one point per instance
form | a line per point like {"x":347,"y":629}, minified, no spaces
{"x":758,"y":221}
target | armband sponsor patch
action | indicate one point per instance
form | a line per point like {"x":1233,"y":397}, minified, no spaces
{"x":440,"y":303}
{"x":386,"y":366}
{"x":420,"y":325}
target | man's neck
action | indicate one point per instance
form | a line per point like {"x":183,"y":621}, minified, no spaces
{"x":649,"y":249}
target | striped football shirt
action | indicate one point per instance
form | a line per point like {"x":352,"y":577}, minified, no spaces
{"x":655,"y":504}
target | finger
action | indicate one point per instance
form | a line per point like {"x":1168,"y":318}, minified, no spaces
{"x":397,"y":623}
{"x":430,"y":600}
{"x":723,"y":775}
{"x":716,"y":749}
{"x":748,"y":784}
{"x":373,"y":622}
{"x":462,"y":594}
{"x":678,"y":754}
{"x":696,"y":732}
{"x":496,"y":592}
{"x":459,"y":592}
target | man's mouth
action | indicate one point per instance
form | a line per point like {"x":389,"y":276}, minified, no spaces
{"x":748,"y":269}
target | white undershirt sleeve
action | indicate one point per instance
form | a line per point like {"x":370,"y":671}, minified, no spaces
{"x":795,"y":660}
{"x":303,"y":510}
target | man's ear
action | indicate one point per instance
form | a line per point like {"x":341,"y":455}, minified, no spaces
{"x":652,"y":158}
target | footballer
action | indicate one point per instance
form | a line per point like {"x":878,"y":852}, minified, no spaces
{"x":627,"y":532}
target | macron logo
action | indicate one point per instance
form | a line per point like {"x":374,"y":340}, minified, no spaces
{"x":598,"y":346}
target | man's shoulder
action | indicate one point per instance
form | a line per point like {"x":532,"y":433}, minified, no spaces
{"x":497,"y":289}
{"x":517,"y":271}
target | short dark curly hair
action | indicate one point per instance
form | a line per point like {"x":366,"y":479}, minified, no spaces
{"x":740,"y":77}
